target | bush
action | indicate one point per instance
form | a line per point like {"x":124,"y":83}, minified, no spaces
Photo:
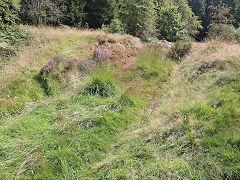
{"x":12,"y":36}
{"x":56,"y":71}
{"x":87,"y":66}
{"x":116,"y":26}
{"x":224,"y":32}
{"x":9,"y":11}
{"x":179,"y":50}
{"x":102,"y":85}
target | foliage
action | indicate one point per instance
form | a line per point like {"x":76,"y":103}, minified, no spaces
{"x":191,"y":22}
{"x":9,"y":11}
{"x":74,"y":13}
{"x":179,"y":50}
{"x":12,"y":35}
{"x":116,"y":26}
{"x":221,"y":15}
{"x":169,"y":25}
{"x":99,"y":12}
{"x":221,"y":26}
{"x":204,"y":9}
{"x":138,"y":17}
{"x":41,"y":12}
{"x":223,"y":32}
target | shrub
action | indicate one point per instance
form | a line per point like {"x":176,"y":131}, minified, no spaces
{"x":224,"y":32}
{"x":9,"y":11}
{"x":55,"y":71}
{"x":116,"y":26}
{"x":179,"y":50}
{"x":100,"y":56}
{"x":102,"y":85}
{"x":51,"y":65}
{"x":12,"y":36}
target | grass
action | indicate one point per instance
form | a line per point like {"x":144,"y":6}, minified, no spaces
{"x":146,"y":77}
{"x":60,"y":138}
{"x":156,"y":119}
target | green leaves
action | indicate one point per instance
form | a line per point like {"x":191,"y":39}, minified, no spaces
{"x":169,"y":24}
{"x":9,"y":11}
{"x":12,"y":35}
{"x":138,"y":17}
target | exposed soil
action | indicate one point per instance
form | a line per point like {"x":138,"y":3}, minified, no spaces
{"x":121,"y":56}
{"x":204,"y":68}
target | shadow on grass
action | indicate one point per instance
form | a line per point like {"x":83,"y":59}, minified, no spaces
{"x":44,"y":84}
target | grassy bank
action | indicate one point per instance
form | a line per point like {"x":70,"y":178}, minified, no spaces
{"x":139,"y":115}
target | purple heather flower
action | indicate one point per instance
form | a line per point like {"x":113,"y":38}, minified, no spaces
{"x":100,"y":55}
{"x":71,"y":63}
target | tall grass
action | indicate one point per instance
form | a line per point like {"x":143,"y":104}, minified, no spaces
{"x":157,"y":120}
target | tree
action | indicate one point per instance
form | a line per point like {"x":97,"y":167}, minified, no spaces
{"x":169,"y":24}
{"x":138,"y":17}
{"x":205,"y":8}
{"x":99,"y":12}
{"x":41,"y":12}
{"x":191,"y":21}
{"x":73,"y":11}
{"x":9,"y":11}
{"x":221,"y":15}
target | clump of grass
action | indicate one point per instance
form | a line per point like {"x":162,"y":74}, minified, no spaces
{"x":149,"y":73}
{"x":101,"y":84}
{"x":179,"y":50}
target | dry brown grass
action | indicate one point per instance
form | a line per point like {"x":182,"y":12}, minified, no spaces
{"x":213,"y":50}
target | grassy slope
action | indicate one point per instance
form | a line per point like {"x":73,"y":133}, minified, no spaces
{"x":194,"y":133}
{"x":165,"y":120}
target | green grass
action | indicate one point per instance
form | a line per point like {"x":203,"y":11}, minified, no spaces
{"x":146,"y":77}
{"x":24,"y":86}
{"x":59,"y":139}
{"x":156,"y":120}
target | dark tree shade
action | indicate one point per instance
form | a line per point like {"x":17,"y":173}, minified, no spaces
{"x":99,"y":12}
{"x":73,"y":11}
